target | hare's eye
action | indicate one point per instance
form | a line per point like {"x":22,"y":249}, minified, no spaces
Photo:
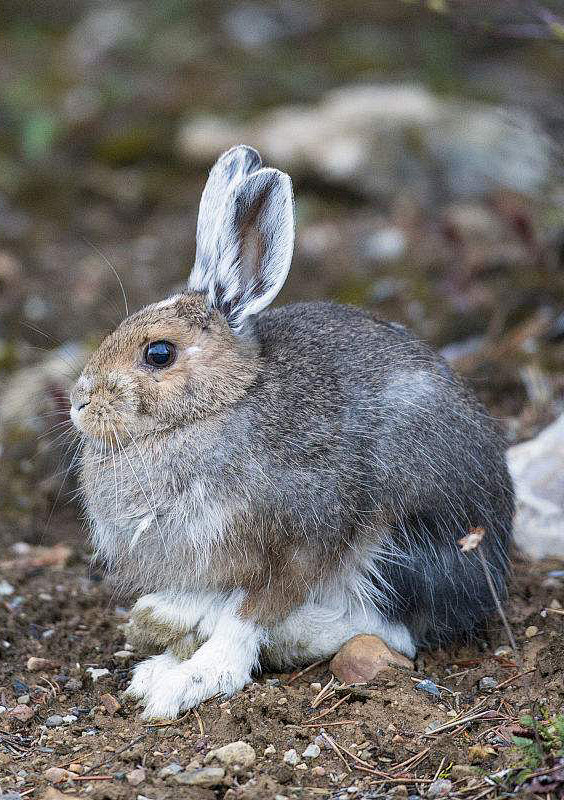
{"x":160,"y":354}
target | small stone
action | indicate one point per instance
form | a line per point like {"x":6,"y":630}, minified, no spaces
{"x":6,"y":589}
{"x":503,"y":651}
{"x":110,"y":703}
{"x":301,"y":766}
{"x":233,"y":754}
{"x":35,"y":664}
{"x":429,"y":687}
{"x":170,"y":769}
{"x":96,"y":674}
{"x":54,"y":721}
{"x":488,"y":683}
{"x":319,"y":772}
{"x":399,"y":792}
{"x":280,"y":797}
{"x":433,"y":726}
{"x":206,"y":776}
{"x":273,"y":681}
{"x":270,"y":750}
{"x":70,"y":718}
{"x":123,"y":655}
{"x":311,"y":751}
{"x":136,"y":776}
{"x":361,"y":658}
{"x":315,"y":687}
{"x":439,"y":788}
{"x":291,"y":757}
{"x":21,"y":712}
{"x":283,"y":701}
{"x":73,"y":685}
{"x":24,"y":699}
{"x":58,"y":775}
{"x":531,"y":631}
{"x":555,"y":604}
{"x":78,"y":768}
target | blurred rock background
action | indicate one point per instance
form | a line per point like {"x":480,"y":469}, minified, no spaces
{"x":425,"y":144}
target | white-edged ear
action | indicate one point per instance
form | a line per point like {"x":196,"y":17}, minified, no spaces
{"x":255,"y":241}
{"x":226,"y":173}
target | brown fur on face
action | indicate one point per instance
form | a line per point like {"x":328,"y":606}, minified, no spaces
{"x":125,"y":396}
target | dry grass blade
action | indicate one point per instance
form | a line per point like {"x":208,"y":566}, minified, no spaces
{"x":332,"y":708}
{"x":324,"y":691}
{"x":306,"y":670}
{"x":199,"y":721}
{"x":333,"y":745}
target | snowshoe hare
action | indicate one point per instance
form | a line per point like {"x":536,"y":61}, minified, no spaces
{"x":274,"y":482}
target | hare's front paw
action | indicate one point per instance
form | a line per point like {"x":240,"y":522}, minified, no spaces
{"x":180,"y":686}
{"x":147,"y":673}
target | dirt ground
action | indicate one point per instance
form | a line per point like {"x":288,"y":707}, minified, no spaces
{"x":378,"y":742}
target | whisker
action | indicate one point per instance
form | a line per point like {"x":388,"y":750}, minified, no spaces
{"x":113,"y":269}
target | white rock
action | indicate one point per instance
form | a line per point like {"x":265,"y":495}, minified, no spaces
{"x":97,"y":673}
{"x":537,"y":469}
{"x":311,"y":751}
{"x":6,"y":589}
{"x":233,"y":754}
{"x":357,"y":135}
{"x":291,"y":757}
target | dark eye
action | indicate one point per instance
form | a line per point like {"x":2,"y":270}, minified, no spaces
{"x":160,"y":354}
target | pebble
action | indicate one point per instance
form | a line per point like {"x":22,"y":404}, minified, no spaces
{"x":96,"y":674}
{"x":503,"y":651}
{"x":24,"y":699}
{"x":273,"y":681}
{"x":311,"y":751}
{"x":488,"y":683}
{"x":110,"y":703}
{"x":78,"y":768}
{"x":361,"y":658}
{"x":70,"y":718}
{"x":291,"y":757}
{"x":301,"y":766}
{"x":233,"y":754}
{"x":58,"y":774}
{"x":531,"y":631}
{"x":270,"y":750}
{"x":206,"y":776}
{"x":6,"y":589}
{"x":54,"y":721}
{"x":429,"y":687}
{"x":123,"y":655}
{"x":439,"y":788}
{"x":21,"y":712}
{"x":73,"y":685}
{"x":315,"y":686}
{"x":283,"y":701}
{"x":136,"y":776}
{"x":319,"y":772}
{"x":170,"y":769}
{"x":35,"y":664}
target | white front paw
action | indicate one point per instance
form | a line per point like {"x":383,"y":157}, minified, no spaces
{"x":183,"y":686}
{"x":147,"y":673}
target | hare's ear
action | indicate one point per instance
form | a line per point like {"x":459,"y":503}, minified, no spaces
{"x":256,"y":242}
{"x":226,"y":173}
